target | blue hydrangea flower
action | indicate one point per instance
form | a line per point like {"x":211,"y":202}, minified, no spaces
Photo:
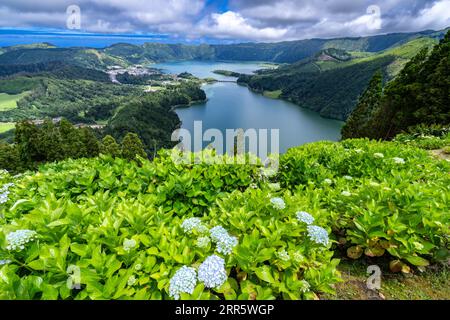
{"x":318,"y":234}
{"x":305,"y":217}
{"x":203,"y":242}
{"x":212,"y":272}
{"x":278,"y":203}
{"x":4,"y":192}
{"x":191,"y":224}
{"x":183,"y":281}
{"x":18,"y":239}
{"x":225,"y":242}
{"x":3,"y":262}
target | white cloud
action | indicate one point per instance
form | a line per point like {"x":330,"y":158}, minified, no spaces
{"x":232,"y":24}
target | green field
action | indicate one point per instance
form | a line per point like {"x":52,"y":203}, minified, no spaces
{"x":9,"y":101}
{"x":6,"y":126}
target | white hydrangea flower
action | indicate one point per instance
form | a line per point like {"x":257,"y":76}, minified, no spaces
{"x":328,"y":181}
{"x":278,"y":203}
{"x":131,"y":281}
{"x":298,"y":257}
{"x":318,"y":234}
{"x":225,"y":242}
{"x":212,"y":272}
{"x":191,"y":224}
{"x":274,"y":186}
{"x":138,"y":267}
{"x":374,"y":184}
{"x":348,"y":178}
{"x":358,"y":150}
{"x":183,"y":281}
{"x":18,"y":239}
{"x":399,"y":160}
{"x":304,"y":286}
{"x":253,"y":186}
{"x":346,"y":193}
{"x":305,"y":217}
{"x":378,"y":155}
{"x":203,"y":242}
{"x":283,"y":255}
{"x":129,"y":244}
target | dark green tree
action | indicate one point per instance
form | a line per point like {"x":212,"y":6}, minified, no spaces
{"x":9,"y":158}
{"x":132,"y":147}
{"x":368,"y":103}
{"x":109,"y":146}
{"x":91,"y":144}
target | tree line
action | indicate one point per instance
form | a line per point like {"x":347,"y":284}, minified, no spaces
{"x":37,"y":144}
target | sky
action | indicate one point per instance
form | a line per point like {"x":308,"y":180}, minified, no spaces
{"x":225,"y":20}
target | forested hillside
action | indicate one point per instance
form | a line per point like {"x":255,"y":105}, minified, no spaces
{"x":331,"y":81}
{"x":419,"y":95}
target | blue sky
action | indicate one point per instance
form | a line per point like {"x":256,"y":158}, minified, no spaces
{"x":231,"y":20}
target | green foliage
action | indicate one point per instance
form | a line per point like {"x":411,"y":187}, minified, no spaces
{"x":132,"y":147}
{"x":109,"y":146}
{"x":358,"y":123}
{"x":380,"y":198}
{"x":84,"y":211}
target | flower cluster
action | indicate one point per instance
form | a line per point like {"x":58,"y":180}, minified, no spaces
{"x":318,"y":234}
{"x":18,"y":239}
{"x":378,"y":155}
{"x":212,"y":272}
{"x":278,"y":203}
{"x":399,"y":160}
{"x":191,"y":224}
{"x":328,"y":181}
{"x":305,"y":217}
{"x":4,"y":192}
{"x":348,"y":178}
{"x":225,"y":242}
{"x":203,"y":242}
{"x":129,"y":244}
{"x":3,"y":262}
{"x":283,"y":255}
{"x":274,"y":186}
{"x":346,"y":193}
{"x":131,"y":281}
{"x":183,"y":281}
{"x":304,"y":286}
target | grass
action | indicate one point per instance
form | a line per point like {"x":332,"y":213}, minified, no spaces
{"x":272,"y":94}
{"x":6,"y":126}
{"x":9,"y":101}
{"x":434,"y":284}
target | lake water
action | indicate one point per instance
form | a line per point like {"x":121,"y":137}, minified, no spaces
{"x":231,"y":106}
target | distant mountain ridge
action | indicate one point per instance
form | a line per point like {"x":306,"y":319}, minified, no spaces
{"x":279,"y":52}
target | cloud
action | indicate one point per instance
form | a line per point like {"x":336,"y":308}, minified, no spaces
{"x":233,"y":25}
{"x":258,"y":20}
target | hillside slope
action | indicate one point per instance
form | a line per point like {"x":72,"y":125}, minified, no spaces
{"x":331,"y":85}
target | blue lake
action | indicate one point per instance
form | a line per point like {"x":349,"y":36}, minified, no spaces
{"x":231,"y":106}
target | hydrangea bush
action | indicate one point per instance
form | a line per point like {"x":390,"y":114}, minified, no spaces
{"x":161,"y":230}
